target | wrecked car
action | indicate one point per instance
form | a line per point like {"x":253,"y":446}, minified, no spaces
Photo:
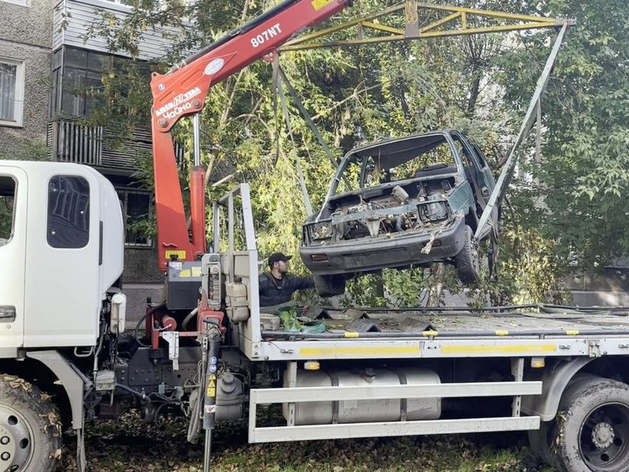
{"x":406,"y":201}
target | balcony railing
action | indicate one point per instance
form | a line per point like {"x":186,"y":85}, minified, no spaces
{"x":72,"y":142}
{"x":92,"y":145}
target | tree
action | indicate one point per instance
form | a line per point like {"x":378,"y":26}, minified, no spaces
{"x":479,"y":85}
{"x":577,"y":196}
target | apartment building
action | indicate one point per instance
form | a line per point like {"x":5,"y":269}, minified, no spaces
{"x":25,"y":52}
{"x":46,"y":59}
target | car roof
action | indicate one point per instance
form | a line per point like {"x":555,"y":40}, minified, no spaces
{"x":395,"y":151}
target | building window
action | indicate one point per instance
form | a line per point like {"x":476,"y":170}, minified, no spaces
{"x":77,"y":80}
{"x":11,"y":92}
{"x":68,"y":212}
{"x":137,"y":208}
{"x":7,"y":200}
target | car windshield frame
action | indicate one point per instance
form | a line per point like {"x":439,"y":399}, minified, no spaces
{"x":354,"y":155}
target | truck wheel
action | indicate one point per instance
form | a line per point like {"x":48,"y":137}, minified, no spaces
{"x":329,"y":285}
{"x":30,"y":429}
{"x":541,"y":441}
{"x":467,"y":260}
{"x":593,"y":427}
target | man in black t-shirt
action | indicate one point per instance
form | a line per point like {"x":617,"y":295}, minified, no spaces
{"x":277,"y":286}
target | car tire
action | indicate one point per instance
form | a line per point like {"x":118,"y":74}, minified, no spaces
{"x":30,"y":425}
{"x":593,"y":427}
{"x":467,"y":261}
{"x":329,"y":285}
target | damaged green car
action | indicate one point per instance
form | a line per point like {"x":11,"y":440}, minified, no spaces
{"x":406,"y":201}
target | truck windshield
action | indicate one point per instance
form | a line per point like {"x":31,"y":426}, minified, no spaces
{"x":7,"y":197}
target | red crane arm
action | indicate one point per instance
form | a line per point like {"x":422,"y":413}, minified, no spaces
{"x":182,"y":91}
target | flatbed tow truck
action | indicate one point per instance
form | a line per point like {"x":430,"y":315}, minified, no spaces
{"x":559,"y":372}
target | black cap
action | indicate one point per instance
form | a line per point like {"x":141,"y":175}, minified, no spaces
{"x":278,"y":256}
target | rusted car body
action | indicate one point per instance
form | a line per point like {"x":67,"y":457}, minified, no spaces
{"x":406,"y":201}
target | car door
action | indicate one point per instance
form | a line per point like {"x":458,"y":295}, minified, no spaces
{"x":488,"y":183}
{"x":478,"y":169}
{"x":483,"y":171}
{"x":477,"y":166}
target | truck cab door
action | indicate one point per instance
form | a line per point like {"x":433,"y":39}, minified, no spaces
{"x":63,"y":297}
{"x":13,"y":200}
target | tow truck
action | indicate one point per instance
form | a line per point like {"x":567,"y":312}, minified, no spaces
{"x":208,"y":351}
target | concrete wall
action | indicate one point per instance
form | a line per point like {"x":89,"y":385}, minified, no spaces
{"x":605,"y":287}
{"x":26,"y":35}
{"x":141,"y":266}
{"x":141,"y":279}
{"x":137,"y":295}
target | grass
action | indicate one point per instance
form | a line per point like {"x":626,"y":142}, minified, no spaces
{"x":129,"y":445}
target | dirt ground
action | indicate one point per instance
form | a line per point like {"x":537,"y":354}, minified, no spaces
{"x":130,"y":445}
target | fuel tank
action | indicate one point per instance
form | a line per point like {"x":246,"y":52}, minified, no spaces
{"x":326,"y":412}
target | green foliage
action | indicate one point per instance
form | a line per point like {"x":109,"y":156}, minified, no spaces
{"x":120,"y":102}
{"x":579,"y":190}
{"x":529,"y":270}
{"x":397,"y":288}
{"x":568,"y":204}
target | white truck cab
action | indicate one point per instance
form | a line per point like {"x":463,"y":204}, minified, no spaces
{"x":61,"y":249}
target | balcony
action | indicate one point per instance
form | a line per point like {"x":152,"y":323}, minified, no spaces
{"x":92,"y":145}
{"x":72,"y":17}
{"x":76,"y":143}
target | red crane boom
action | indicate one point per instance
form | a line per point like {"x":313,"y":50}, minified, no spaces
{"x":182,"y":91}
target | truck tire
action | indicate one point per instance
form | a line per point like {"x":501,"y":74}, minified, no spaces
{"x":541,"y":441}
{"x":329,"y":285}
{"x":592,"y":433}
{"x":467,"y":261}
{"x":30,"y":428}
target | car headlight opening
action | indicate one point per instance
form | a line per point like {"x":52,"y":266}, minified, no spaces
{"x":321,"y":230}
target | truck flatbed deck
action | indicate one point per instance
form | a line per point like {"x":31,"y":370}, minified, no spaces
{"x":518,"y":320}
{"x":544,"y":330}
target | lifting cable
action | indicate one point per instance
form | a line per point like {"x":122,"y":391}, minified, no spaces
{"x":280,"y":92}
{"x":307,"y":116}
{"x":533,"y":113}
{"x":538,"y":134}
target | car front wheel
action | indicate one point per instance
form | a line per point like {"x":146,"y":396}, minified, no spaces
{"x":467,"y":260}
{"x":329,"y":285}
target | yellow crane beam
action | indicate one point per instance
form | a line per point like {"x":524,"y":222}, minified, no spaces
{"x":457,"y":21}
